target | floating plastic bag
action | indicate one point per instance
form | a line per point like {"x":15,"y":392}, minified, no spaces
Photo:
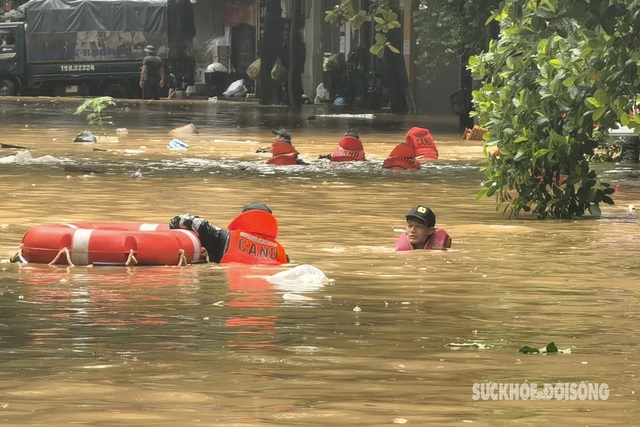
{"x":85,"y":136}
{"x":176,"y":144}
{"x":322,"y":94}
{"x":303,"y":278}
{"x":7,"y":159}
{"x":25,"y":158}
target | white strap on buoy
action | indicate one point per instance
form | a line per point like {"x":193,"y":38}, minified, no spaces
{"x":67,"y":254}
{"x":148,"y":227}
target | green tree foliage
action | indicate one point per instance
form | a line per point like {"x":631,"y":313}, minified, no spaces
{"x":382,"y":14}
{"x":447,"y":30}
{"x":96,"y":107}
{"x":562,"y":73}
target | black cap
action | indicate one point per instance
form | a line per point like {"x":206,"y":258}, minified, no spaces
{"x":424,"y":214}
{"x":282,"y":133}
{"x":352,"y":133}
{"x":255,"y":206}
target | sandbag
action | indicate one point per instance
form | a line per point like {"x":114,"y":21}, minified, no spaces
{"x":236,"y":88}
{"x":253,"y":70}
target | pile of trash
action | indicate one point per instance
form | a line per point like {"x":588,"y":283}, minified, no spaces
{"x":25,"y":158}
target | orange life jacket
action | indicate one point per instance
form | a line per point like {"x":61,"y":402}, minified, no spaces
{"x":422,"y":141}
{"x":247,"y":248}
{"x":283,"y":154}
{"x":440,"y":239}
{"x":349,"y":149}
{"x":403,"y":156}
{"x":283,"y":160}
{"x":252,"y":240}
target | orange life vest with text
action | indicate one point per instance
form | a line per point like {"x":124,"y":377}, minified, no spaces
{"x":440,"y":239}
{"x":247,"y":248}
{"x":403,"y":156}
{"x":252,"y":240}
{"x":422,"y":142}
{"x":349,"y":149}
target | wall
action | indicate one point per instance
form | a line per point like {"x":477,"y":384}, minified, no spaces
{"x":434,"y":97}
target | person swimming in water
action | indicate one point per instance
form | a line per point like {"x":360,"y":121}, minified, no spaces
{"x":421,"y":232}
{"x":282,"y":150}
{"x":349,"y":149}
{"x":249,"y":239}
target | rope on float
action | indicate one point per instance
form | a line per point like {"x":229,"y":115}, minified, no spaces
{"x":18,"y":255}
{"x":131,"y":259}
{"x":183,"y":259}
{"x":203,"y":251}
{"x":65,"y":251}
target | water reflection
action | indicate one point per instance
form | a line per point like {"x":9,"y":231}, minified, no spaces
{"x":215,"y":345}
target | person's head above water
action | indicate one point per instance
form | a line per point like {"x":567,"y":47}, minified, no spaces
{"x":256,"y":206}
{"x":420,"y":225}
{"x":352,"y":133}
{"x":281,"y":135}
{"x":424,"y":214}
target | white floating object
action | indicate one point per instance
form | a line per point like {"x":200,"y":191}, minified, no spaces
{"x":356,"y":308}
{"x":295,"y":297}
{"x":303,"y":278}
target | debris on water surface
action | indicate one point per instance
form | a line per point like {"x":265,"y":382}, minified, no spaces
{"x":469,"y":345}
{"x":549,"y":348}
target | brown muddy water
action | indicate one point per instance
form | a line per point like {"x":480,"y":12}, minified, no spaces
{"x":208,"y":345}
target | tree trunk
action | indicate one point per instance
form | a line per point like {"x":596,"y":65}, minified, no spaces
{"x":396,"y":74}
{"x":466,"y":85}
{"x":295,"y":61}
{"x":271,"y":46}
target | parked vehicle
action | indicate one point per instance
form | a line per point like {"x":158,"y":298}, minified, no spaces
{"x":94,"y":47}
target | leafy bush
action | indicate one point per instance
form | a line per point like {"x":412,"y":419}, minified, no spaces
{"x":560,"y":75}
{"x":95,"y":116}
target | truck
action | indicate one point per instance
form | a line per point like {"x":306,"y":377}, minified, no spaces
{"x":94,"y":47}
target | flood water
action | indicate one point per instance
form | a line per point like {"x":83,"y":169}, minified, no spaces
{"x":209,"y":345}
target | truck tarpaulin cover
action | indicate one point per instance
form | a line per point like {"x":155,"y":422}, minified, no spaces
{"x":94,"y":30}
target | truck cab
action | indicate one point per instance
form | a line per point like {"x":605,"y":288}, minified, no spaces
{"x":11,"y":58}
{"x":91,"y":48}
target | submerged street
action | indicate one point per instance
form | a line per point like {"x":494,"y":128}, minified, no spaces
{"x":392,"y":338}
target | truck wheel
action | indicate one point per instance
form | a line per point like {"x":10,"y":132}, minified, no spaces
{"x":7,"y":88}
{"x":116,"y":90}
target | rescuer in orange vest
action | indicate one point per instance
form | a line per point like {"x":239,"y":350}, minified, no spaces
{"x":249,"y":239}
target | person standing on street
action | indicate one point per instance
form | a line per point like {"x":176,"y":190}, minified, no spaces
{"x":152,"y":74}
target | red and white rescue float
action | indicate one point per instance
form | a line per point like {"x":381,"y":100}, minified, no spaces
{"x":109,"y":243}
